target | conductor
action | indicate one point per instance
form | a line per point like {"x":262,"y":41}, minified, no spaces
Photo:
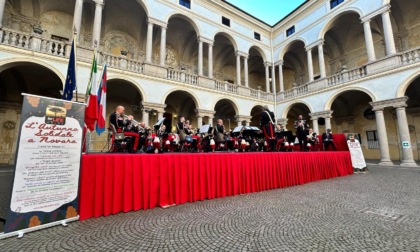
{"x":267,"y":126}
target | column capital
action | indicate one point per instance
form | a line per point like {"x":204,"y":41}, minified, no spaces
{"x":203,"y":113}
{"x":154,"y":21}
{"x":321,"y":114}
{"x":99,"y":2}
{"x":154,"y":106}
{"x":242,"y":54}
{"x":282,"y":121}
{"x":279,"y":63}
{"x":315,"y":44}
{"x":396,"y":103}
{"x":240,"y":118}
{"x":369,"y":16}
{"x":348,"y":119}
{"x":267,"y":64}
{"x":205,"y":40}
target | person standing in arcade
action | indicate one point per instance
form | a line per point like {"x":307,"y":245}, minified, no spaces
{"x":301,"y":127}
{"x":267,"y":126}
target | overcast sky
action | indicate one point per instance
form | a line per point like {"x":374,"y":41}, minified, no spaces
{"x":269,"y":11}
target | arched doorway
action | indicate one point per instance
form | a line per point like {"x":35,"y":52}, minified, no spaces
{"x":256,"y":115}
{"x":413,"y":114}
{"x":180,"y":103}
{"x":295,"y":66}
{"x":294,"y":112}
{"x":224,"y":58}
{"x":15,"y":79}
{"x":225,"y":110}
{"x":256,"y":70}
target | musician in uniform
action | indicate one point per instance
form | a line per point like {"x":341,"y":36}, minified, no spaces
{"x":144,"y":132}
{"x":180,"y":125}
{"x":280,"y":138}
{"x":327,"y":139}
{"x":220,"y":127}
{"x":267,"y":126}
{"x":301,"y":127}
{"x":124,"y":125}
{"x":312,"y":138}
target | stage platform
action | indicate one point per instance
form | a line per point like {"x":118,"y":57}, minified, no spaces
{"x":113,"y":183}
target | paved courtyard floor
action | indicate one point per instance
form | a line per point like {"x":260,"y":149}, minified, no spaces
{"x":376,"y":211}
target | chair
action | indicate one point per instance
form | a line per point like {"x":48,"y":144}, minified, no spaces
{"x":120,"y":142}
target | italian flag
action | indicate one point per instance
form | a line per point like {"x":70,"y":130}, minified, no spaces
{"x":100,"y":125}
{"x":91,"y":112}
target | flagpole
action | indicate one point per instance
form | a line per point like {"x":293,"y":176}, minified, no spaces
{"x":75,"y":59}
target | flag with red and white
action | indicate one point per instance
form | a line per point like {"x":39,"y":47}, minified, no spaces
{"x":91,"y":112}
{"x":100,"y":125}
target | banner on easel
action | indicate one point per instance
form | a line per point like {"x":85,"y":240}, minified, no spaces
{"x":46,"y":177}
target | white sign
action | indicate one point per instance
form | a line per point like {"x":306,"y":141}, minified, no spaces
{"x":357,"y":158}
{"x":47,"y":167}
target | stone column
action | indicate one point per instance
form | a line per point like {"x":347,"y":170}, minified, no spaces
{"x":388,"y":34}
{"x":210,"y":60}
{"x":327,"y":122}
{"x":382,"y":137}
{"x":200,"y":57}
{"x":97,"y":23}
{"x":211,"y":120}
{"x":145,"y":117}
{"x":404,"y":134}
{"x":238,"y":68}
{"x":281,"y":81}
{"x":321,"y":60}
{"x":149,"y":42}
{"x":315,"y":125}
{"x":77,"y":16}
{"x":310,"y":65}
{"x":267,"y":77}
{"x":273,"y":79}
{"x":283,"y":121}
{"x":199,"y":121}
{"x":246,"y":71}
{"x":2,"y":5}
{"x":162,"y":46}
{"x":369,"y":41}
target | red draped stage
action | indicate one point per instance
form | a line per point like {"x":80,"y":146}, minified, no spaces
{"x":113,"y":183}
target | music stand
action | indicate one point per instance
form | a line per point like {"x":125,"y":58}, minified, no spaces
{"x":206,"y":129}
{"x":157,"y":125}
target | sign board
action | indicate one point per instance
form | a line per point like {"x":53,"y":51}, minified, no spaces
{"x":406,"y":144}
{"x":356,"y":154}
{"x":46,"y":176}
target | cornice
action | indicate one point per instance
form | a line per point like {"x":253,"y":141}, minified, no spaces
{"x":400,"y":102}
{"x":373,"y":14}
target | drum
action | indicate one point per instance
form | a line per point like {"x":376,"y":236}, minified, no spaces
{"x":173,"y":138}
{"x":188,"y":139}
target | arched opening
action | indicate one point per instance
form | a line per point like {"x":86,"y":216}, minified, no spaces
{"x":124,"y":29}
{"x":16,"y":79}
{"x":182,"y":46}
{"x":413,"y":114}
{"x":122,"y":92}
{"x":405,"y":23}
{"x":294,"y":112}
{"x":180,"y":103}
{"x":224,"y":59}
{"x":295,"y":66}
{"x":225,"y":110}
{"x":353,"y":114}
{"x":256,"y":115}
{"x":256,"y":69}
{"x":345,"y":46}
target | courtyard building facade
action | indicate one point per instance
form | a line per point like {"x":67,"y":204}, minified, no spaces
{"x":349,"y":65}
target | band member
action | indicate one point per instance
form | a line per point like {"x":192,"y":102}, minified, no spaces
{"x":120,"y":123}
{"x":301,"y":126}
{"x":180,"y":125}
{"x":144,"y":133}
{"x":162,"y":133}
{"x":220,"y":127}
{"x":267,"y":126}
{"x":327,"y":139}
{"x":279,"y":137}
{"x":312,"y":138}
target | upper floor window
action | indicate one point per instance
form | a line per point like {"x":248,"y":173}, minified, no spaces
{"x":334,"y":3}
{"x":226,"y":21}
{"x":257,"y":36}
{"x":185,"y":3}
{"x":290,"y":31}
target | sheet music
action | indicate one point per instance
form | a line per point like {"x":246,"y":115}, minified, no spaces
{"x":237,"y":129}
{"x":205,"y":128}
{"x":160,"y":121}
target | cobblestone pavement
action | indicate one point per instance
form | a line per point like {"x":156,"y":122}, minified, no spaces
{"x":376,"y":211}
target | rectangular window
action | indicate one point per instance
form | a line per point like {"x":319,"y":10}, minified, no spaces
{"x":290,"y":31}
{"x":226,"y":21}
{"x":372,"y":138}
{"x":334,"y":3}
{"x":185,"y":3}
{"x":257,"y":36}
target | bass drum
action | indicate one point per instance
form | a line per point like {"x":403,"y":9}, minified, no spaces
{"x":188,"y":139}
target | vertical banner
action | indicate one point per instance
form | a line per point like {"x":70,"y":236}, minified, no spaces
{"x":46,"y":179}
{"x":356,"y":154}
